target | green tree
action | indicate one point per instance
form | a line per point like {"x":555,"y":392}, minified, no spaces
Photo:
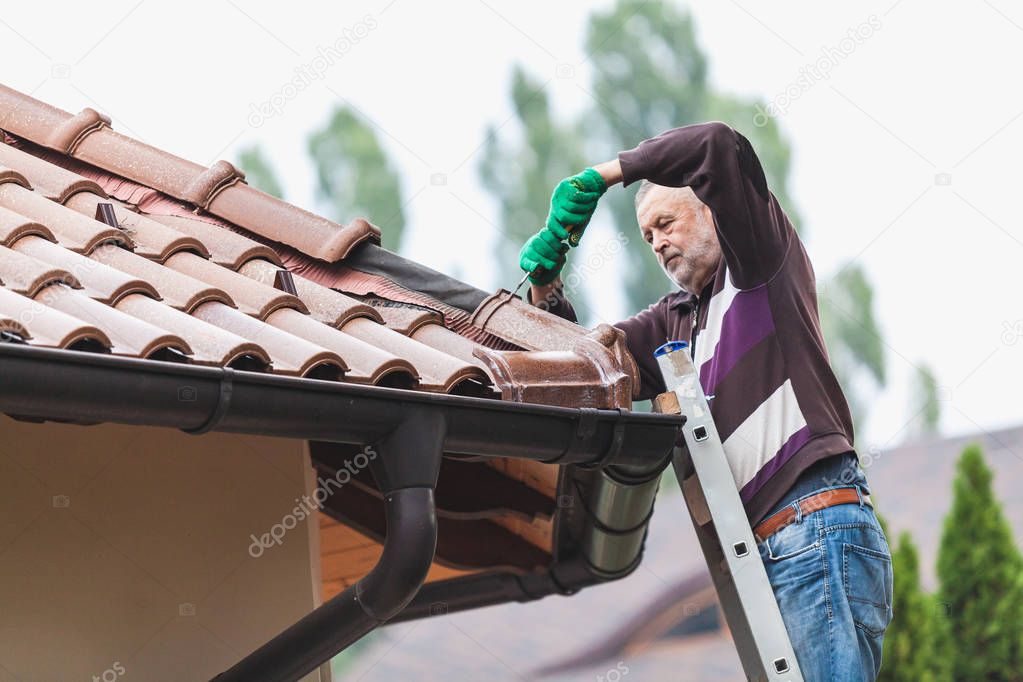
{"x":851,"y":331}
{"x":650,"y":75}
{"x":355,"y":177}
{"x":912,"y":643}
{"x":980,"y":570}
{"x":258,"y":171}
{"x":924,"y":401}
{"x":522,"y":174}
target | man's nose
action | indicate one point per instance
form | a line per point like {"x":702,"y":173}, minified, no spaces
{"x":660,"y":244}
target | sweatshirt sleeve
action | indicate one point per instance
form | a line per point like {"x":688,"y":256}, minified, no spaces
{"x":722,"y":169}
{"x":555,"y":303}
{"x":644,"y":333}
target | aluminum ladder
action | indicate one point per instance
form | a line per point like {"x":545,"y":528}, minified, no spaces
{"x":722,"y":528}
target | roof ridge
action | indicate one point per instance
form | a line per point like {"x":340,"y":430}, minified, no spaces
{"x":220,"y":189}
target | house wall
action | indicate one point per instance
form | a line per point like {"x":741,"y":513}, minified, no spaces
{"x":127,"y":552}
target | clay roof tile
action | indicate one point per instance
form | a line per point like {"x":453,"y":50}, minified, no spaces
{"x":226,"y":248}
{"x":252,"y":297}
{"x":210,"y":345}
{"x":101,"y":282}
{"x":152,"y":239}
{"x":178,"y":290}
{"x":407,"y":319}
{"x":27,"y":275}
{"x":73,"y":230}
{"x":290,"y":354}
{"x":53,"y":182}
{"x":130,"y":335}
{"x":49,"y":327}
{"x":14,"y":226}
{"x":438,"y":371}
{"x":326,"y":305}
{"x":367,"y":363}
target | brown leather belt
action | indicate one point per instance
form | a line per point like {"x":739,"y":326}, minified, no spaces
{"x":783,"y":517}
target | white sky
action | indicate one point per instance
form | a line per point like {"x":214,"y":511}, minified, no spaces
{"x":929,"y":92}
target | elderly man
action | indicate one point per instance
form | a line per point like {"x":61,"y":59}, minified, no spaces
{"x":747,"y":305}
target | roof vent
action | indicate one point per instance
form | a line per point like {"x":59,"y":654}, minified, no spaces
{"x":285,"y":282}
{"x":105,"y":214}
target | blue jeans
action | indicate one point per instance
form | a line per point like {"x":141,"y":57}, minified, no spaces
{"x":831,"y":572}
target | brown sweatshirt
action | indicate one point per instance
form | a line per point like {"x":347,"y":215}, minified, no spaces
{"x":754,"y":331}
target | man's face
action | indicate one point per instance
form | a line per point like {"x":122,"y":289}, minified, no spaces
{"x":680,"y":230}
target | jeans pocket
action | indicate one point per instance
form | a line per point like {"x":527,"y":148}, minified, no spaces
{"x":791,"y":541}
{"x":868,"y":582}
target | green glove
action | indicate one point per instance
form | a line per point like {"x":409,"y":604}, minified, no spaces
{"x":573,"y":203}
{"x":546,"y":251}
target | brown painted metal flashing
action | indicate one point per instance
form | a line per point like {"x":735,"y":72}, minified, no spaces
{"x":564,"y":364}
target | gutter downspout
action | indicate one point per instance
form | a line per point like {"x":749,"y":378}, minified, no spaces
{"x":406,"y":469}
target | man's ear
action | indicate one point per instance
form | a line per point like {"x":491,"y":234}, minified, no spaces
{"x":709,"y":216}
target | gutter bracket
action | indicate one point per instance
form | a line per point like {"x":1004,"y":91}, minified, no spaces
{"x":613,"y":448}
{"x":220,"y":409}
{"x":585,"y":428}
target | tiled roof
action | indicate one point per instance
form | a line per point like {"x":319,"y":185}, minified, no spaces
{"x":188,"y":264}
{"x":178,"y":287}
